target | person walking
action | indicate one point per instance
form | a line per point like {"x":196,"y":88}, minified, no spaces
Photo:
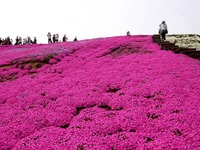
{"x":163,"y":30}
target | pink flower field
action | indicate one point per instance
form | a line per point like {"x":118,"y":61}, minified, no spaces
{"x":116,"y":93}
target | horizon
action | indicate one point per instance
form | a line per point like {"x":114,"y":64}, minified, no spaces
{"x":95,"y":19}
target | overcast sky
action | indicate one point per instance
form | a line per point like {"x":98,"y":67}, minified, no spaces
{"x":88,"y":19}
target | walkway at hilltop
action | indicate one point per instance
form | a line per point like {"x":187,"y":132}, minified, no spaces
{"x":166,"y":45}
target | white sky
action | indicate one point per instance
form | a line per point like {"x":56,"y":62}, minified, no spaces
{"x":96,"y":18}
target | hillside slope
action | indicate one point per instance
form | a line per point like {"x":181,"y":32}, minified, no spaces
{"x":117,"y":93}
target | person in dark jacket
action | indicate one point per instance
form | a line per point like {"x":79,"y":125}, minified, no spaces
{"x":34,"y":40}
{"x":65,"y":38}
{"x":8,"y":41}
{"x":128,"y":33}
{"x":54,"y":38}
{"x":17,"y":40}
{"x":75,"y":39}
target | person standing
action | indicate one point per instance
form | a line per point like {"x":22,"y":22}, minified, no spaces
{"x":34,"y":40}
{"x":128,"y":33}
{"x":54,"y":38}
{"x":163,"y":30}
{"x":29,"y":41}
{"x":0,"y":41}
{"x":20,"y":41}
{"x":75,"y":39}
{"x":57,"y":37}
{"x":25,"y":41}
{"x":17,"y":40}
{"x":49,"y":37}
{"x":65,"y":38}
{"x":8,"y":42}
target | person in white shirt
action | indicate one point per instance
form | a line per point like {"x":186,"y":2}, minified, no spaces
{"x":49,"y":37}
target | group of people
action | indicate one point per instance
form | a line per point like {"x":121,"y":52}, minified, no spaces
{"x":27,"y":40}
{"x":18,"y":41}
{"x":55,"y":38}
{"x":6,"y":41}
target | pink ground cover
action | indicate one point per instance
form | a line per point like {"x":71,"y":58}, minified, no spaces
{"x":117,"y":93}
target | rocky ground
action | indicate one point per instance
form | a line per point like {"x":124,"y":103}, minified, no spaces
{"x":185,"y":40}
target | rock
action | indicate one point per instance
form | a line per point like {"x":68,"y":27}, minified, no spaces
{"x":58,"y":58}
{"x":27,"y":67}
{"x":53,"y":61}
{"x":32,"y":71}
